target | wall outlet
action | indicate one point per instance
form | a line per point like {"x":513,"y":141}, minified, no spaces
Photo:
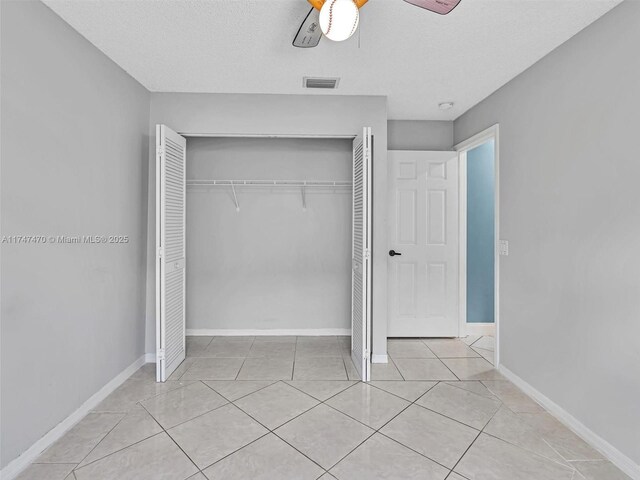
{"x":503,"y":247}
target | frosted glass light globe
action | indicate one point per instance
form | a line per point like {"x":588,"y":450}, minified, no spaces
{"x":339,"y":19}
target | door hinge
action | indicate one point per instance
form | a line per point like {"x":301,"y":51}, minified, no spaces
{"x":161,"y":354}
{"x":366,"y":354}
{"x":366,"y":253}
{"x":160,"y":252}
{"x":159,"y":151}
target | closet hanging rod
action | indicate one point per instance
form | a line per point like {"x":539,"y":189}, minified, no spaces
{"x":270,"y":183}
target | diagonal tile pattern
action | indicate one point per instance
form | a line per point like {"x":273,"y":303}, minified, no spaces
{"x":214,"y":435}
{"x":431,"y":369}
{"x":450,"y":348}
{"x":173,"y":408}
{"x":324,"y":435}
{"x":380,"y":458}
{"x":472,"y":369}
{"x":269,"y":458}
{"x":385,"y":371}
{"x":276,"y":404}
{"x":137,"y":425}
{"x":276,"y":408}
{"x":461,"y":405}
{"x":153,"y":458}
{"x":81,"y":439}
{"x":433,"y":435}
{"x":369,"y":405}
{"x":322,"y":390}
{"x":410,"y":391}
{"x":233,"y":390}
{"x":508,"y":426}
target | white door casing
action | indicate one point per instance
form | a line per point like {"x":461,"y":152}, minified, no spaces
{"x":170,"y":251}
{"x":361,"y":268}
{"x":423,"y":228}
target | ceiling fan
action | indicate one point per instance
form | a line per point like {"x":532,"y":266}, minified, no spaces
{"x":338,"y":19}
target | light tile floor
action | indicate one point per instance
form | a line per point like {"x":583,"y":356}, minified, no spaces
{"x":282,"y":408}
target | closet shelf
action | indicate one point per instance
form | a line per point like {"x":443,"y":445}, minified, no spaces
{"x":270,"y":183}
{"x":301,"y":184}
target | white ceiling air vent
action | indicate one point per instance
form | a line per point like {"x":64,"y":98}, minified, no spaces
{"x":320,"y":82}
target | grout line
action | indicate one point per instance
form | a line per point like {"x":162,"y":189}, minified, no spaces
{"x":381,"y":427}
{"x":302,"y":453}
{"x":101,"y":440}
{"x":334,"y":395}
{"x":435,"y":382}
{"x":482,"y":431}
{"x":267,"y":427}
{"x":396,"y":367}
{"x":246,"y":395}
{"x":344,"y":365}
{"x":414,"y":451}
{"x":182,"y":450}
{"x":240,"y":369}
{"x":447,"y":367}
{"x":235,"y":451}
{"x":245,"y":358}
{"x":295,"y":355}
{"x":119,"y":450}
{"x":392,"y":362}
{"x":272,"y":431}
{"x":474,"y":441}
{"x":193,"y":418}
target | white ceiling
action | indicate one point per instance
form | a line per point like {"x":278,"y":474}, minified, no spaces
{"x":414,"y":57}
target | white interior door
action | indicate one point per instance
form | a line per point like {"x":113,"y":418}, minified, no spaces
{"x":170,"y":248}
{"x":361,"y":272}
{"x":423,"y":222}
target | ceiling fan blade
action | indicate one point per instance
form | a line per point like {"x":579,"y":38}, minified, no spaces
{"x":309,"y":33}
{"x":441,"y":7}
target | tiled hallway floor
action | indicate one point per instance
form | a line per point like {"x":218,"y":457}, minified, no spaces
{"x":287,"y":408}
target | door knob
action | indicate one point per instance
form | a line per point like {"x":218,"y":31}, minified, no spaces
{"x":393,"y":253}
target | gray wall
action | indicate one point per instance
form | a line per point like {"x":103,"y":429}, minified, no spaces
{"x":74,"y":154}
{"x":420,"y":135}
{"x":271,"y":265}
{"x":282,"y":114}
{"x":570,"y":208}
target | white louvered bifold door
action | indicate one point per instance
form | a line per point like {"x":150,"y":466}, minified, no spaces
{"x":361,"y":272}
{"x":170,"y":244}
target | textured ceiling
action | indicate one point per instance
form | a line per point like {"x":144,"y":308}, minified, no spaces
{"x":414,"y":57}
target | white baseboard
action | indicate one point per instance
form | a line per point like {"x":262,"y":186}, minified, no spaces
{"x":614,"y":455}
{"x":16,"y":466}
{"x":379,"y":358}
{"x":479,"y":329}
{"x":281,"y":332}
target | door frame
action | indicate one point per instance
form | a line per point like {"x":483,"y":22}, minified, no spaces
{"x":370,"y":327}
{"x":491,"y":133}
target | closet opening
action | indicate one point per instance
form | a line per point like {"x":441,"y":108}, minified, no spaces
{"x":264,"y":240}
{"x":267,"y":254}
